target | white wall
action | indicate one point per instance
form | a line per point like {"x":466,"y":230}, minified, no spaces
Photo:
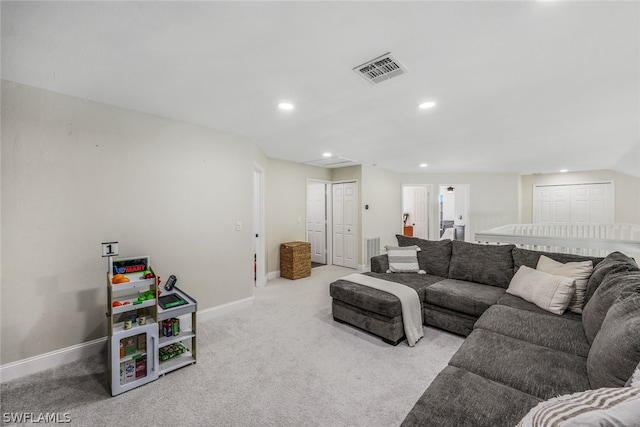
{"x":77,"y":173}
{"x":286,"y":204}
{"x":382,"y":191}
{"x":494,"y":198}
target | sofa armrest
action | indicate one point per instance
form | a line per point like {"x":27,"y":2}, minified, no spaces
{"x":379,"y":264}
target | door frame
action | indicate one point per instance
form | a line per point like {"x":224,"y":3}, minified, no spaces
{"x":327,"y":216}
{"x":259,"y":227}
{"x":467,"y":209}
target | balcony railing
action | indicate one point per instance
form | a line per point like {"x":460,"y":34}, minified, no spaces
{"x":581,"y":239}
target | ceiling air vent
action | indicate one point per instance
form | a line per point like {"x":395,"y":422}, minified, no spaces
{"x":380,"y":69}
{"x":332,"y":162}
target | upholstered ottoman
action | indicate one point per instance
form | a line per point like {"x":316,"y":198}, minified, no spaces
{"x":373,"y":310}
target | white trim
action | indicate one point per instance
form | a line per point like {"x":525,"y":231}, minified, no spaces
{"x":52,"y":359}
{"x":221,"y":310}
{"x":56,"y":358}
{"x":272,"y":275}
{"x":259,"y":212}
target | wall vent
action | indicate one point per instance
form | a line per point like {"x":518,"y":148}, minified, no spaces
{"x":332,"y":162}
{"x":380,"y":69}
{"x":372,"y":245}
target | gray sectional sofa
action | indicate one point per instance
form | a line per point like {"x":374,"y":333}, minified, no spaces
{"x":516,"y":354}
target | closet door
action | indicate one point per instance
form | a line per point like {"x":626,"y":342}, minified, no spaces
{"x":574,"y":204}
{"x":338,"y":224}
{"x":345,"y":224}
{"x":350,"y":221}
{"x":552,"y":204}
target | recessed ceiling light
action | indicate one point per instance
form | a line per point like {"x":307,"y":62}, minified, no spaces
{"x":426,"y":105}
{"x":423,"y":165}
{"x":326,"y":154}
{"x":564,"y":170}
{"x":285,"y":106}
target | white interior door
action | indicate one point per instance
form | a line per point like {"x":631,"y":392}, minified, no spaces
{"x":316,"y":221}
{"x":259,"y":264}
{"x":338,"y":224}
{"x":552,"y":204}
{"x":592,"y":203}
{"x":351,"y":225}
{"x":345,"y":224}
{"x":420,"y":207}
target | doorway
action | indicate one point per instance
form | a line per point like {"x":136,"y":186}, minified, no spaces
{"x":259,"y":267}
{"x":453,"y":210}
{"x":415,"y":208}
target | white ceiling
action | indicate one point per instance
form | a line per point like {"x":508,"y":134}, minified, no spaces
{"x":520,"y":86}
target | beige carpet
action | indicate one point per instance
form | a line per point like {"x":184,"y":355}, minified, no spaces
{"x":284,"y":362}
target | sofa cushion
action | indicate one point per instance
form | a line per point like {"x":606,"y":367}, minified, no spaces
{"x":549,"y":292}
{"x":534,"y":328}
{"x":462,"y":296}
{"x":463,"y":399}
{"x":533,"y":369}
{"x":615,"y":351}
{"x":530,"y":258}
{"x":488,"y":264}
{"x":579,"y":271}
{"x":449,"y":320}
{"x":601,"y":407}
{"x":615,"y":262}
{"x":403,"y":259}
{"x":378,"y":301}
{"x":434,"y":256}
{"x":611,"y":287}
{"x":517,"y":302}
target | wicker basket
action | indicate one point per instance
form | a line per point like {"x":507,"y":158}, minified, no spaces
{"x":295,"y":260}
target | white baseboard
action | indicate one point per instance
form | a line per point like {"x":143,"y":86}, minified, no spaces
{"x":56,"y":358}
{"x":53,"y":359}
{"x":364,"y":267}
{"x":220,"y":310}
{"x":273,"y":275}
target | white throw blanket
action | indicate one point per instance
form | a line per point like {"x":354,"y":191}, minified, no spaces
{"x":409,"y":299}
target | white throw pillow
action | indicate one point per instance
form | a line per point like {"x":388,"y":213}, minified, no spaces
{"x":403,"y":259}
{"x":579,"y":271}
{"x":600,"y":407}
{"x":634,"y":381}
{"x":547,"y":291}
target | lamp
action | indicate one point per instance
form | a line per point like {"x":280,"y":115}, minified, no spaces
{"x":450,"y":189}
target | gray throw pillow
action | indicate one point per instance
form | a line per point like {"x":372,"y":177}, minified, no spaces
{"x":530,"y":258}
{"x":487,"y":264}
{"x":615,"y":262}
{"x":615,"y":352}
{"x":612,"y":287}
{"x":434,"y":255}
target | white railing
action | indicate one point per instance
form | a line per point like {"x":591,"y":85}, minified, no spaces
{"x":581,"y":239}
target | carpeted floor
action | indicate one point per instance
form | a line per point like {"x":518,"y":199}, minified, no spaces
{"x":283,"y":362}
